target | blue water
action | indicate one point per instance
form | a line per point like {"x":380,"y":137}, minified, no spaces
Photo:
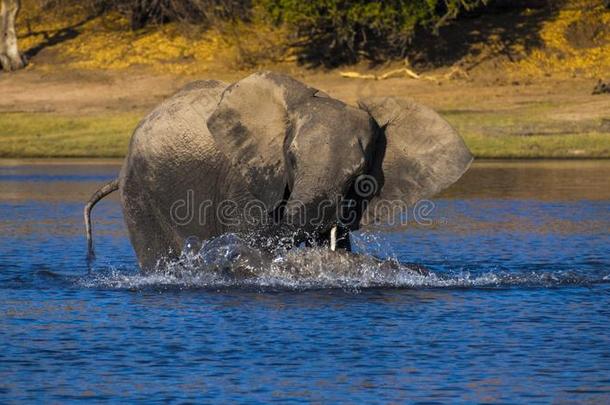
{"x":517,"y":307}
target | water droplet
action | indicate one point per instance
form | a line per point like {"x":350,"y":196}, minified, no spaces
{"x":191,"y":247}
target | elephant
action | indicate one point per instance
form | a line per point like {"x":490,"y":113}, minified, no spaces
{"x":214,"y":153}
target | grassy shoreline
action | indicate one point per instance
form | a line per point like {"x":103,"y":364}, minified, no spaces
{"x":489,"y":136}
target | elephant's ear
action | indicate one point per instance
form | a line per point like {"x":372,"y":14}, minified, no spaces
{"x":417,"y":154}
{"x":250,"y":126}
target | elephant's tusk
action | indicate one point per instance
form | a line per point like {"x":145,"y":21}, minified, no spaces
{"x":333,"y":238}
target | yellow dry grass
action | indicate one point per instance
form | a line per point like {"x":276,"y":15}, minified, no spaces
{"x":106,"y":42}
{"x":559,"y":55}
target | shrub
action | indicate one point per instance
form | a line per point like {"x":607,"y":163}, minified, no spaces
{"x":328,"y":32}
{"x":332,"y":32}
{"x":325,"y":32}
{"x":144,"y":12}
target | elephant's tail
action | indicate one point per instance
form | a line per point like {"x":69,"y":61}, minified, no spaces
{"x":98,"y":195}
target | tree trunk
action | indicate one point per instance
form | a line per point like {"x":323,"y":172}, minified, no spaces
{"x":10,"y":57}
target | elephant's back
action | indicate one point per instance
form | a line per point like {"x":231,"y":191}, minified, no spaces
{"x":173,"y":158}
{"x":177,"y":127}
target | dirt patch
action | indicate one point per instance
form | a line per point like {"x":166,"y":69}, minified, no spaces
{"x":86,"y":92}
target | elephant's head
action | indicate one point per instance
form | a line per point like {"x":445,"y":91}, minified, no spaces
{"x":301,"y":152}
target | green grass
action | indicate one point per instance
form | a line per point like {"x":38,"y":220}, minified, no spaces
{"x":53,"y":135}
{"x":488,"y":135}
{"x":528,"y":133}
{"x":587,"y":145}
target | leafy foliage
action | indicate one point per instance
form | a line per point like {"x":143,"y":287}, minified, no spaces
{"x":328,"y":32}
{"x":335,"y":32}
{"x":332,"y":32}
{"x":144,"y":12}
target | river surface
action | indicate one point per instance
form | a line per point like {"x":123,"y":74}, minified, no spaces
{"x":516,"y":309}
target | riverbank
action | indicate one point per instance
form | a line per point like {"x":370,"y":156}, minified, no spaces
{"x":515,"y":84}
{"x":93,"y":113}
{"x":28,"y":135}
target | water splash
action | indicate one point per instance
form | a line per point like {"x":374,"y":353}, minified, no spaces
{"x":230,"y":262}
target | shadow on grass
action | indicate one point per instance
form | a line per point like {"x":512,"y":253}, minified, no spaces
{"x":54,"y":37}
{"x":476,"y":36}
{"x":484,"y":34}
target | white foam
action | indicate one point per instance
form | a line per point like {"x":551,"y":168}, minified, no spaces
{"x":228,"y":261}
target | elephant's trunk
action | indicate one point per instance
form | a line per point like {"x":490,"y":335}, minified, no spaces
{"x":315,"y":220}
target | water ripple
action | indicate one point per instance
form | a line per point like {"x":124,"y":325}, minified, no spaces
{"x":231,"y":263}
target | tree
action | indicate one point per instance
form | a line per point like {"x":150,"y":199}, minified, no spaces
{"x":10,"y":57}
{"x":334,"y":32}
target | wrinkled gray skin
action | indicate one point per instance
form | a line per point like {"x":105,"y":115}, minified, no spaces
{"x":273,"y":139}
